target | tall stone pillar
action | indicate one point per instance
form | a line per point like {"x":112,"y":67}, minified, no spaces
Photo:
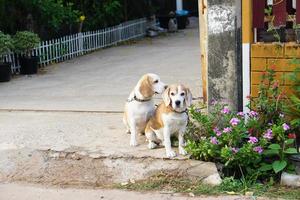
{"x":220,"y":41}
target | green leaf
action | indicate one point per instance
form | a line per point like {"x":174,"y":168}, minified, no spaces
{"x":289,"y":141}
{"x":270,"y":152}
{"x":274,"y":146}
{"x":265,"y":167}
{"x":291,"y":151}
{"x":291,"y":167}
{"x":279,"y":165}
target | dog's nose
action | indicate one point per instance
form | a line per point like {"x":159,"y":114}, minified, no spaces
{"x":166,"y":87}
{"x":177,"y":103}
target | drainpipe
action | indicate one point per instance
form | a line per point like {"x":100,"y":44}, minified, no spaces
{"x":178,"y":4}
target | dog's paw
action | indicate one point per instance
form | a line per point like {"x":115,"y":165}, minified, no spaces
{"x":133,"y":143}
{"x":152,"y":145}
{"x":171,"y":154}
{"x":182,"y":151}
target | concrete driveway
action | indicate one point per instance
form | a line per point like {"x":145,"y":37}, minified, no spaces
{"x":78,"y":103}
{"x":101,"y":81}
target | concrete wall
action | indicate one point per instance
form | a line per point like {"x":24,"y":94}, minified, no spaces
{"x":224,"y":51}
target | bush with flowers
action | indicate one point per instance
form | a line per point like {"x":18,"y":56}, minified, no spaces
{"x":256,"y":143}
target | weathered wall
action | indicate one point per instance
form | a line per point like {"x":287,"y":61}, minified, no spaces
{"x":224,"y":51}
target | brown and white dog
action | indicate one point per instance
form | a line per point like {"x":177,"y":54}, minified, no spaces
{"x":140,"y":106}
{"x":170,"y":118}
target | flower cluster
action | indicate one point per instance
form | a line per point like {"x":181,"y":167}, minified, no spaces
{"x":237,"y":139}
{"x":258,"y":141}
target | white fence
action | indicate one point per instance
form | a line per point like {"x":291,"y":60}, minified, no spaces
{"x":68,"y":47}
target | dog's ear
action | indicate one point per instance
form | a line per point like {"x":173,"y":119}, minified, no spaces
{"x":188,"y":97}
{"x":166,"y":96}
{"x":146,"y":87}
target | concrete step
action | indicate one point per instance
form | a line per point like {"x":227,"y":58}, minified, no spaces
{"x":81,"y":168}
{"x":68,"y":148}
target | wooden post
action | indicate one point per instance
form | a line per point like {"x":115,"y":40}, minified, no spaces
{"x":203,"y":45}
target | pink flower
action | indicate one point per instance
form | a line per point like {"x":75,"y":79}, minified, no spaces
{"x":258,"y":149}
{"x":198,"y":110}
{"x":214,"y":102}
{"x":234,"y":121}
{"x":227,"y":130}
{"x":252,"y":140}
{"x":217,"y":131}
{"x":285,"y":127}
{"x":225,"y":110}
{"x":275,"y":85}
{"x":253,"y":113}
{"x":241,"y":114}
{"x":268,"y":135}
{"x":214,"y":140}
{"x":273,"y":67}
{"x":235,"y":150}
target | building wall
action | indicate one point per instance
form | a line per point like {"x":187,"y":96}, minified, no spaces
{"x":278,"y":57}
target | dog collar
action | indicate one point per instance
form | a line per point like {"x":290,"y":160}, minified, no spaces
{"x":137,"y":99}
{"x":185,"y":111}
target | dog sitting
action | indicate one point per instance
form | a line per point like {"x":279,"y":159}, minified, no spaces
{"x":169,"y":118}
{"x":140,"y":106}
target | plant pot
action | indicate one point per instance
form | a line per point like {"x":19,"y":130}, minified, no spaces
{"x":181,"y":21}
{"x":164,"y":21}
{"x":297,"y":31}
{"x":296,"y":161}
{"x":5,"y":72}
{"x":268,"y":36}
{"x":29,"y":65}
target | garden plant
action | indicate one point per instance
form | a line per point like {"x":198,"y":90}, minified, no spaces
{"x":6,"y":46}
{"x":254,"y":145}
{"x":24,"y":43}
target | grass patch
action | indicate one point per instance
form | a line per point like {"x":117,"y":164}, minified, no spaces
{"x":176,"y":183}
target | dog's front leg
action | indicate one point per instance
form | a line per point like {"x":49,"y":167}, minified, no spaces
{"x":167,"y":142}
{"x":133,"y":132}
{"x":181,"y":142}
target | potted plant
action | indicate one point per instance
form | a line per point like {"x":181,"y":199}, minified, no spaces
{"x":5,"y":47}
{"x":297,"y":32}
{"x":24,"y":43}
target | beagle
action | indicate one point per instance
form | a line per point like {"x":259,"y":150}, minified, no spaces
{"x":140,"y":106}
{"x":169,"y":118}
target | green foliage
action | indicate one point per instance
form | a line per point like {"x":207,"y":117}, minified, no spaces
{"x":293,"y":107}
{"x":229,"y":185}
{"x":6,"y":44}
{"x":56,"y":13}
{"x":257,"y":143}
{"x":270,"y":102}
{"x":24,"y":41}
{"x":102,"y":13}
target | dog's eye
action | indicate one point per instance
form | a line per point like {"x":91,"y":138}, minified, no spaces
{"x":156,"y":81}
{"x":182,"y":94}
{"x":172,"y":93}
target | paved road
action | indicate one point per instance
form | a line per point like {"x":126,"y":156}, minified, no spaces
{"x":21,"y":192}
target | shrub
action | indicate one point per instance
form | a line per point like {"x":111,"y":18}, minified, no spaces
{"x":25,"y":41}
{"x":293,"y":107}
{"x":253,"y":143}
{"x":5,"y":44}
